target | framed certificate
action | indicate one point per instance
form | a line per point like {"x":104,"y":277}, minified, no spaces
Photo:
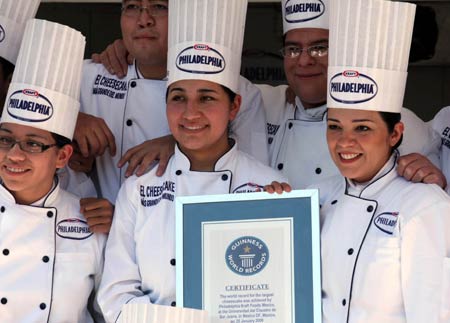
{"x":250,"y":257}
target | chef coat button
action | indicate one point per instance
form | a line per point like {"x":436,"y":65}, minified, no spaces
{"x":178,"y":172}
{"x":45,"y":259}
{"x":280,"y":166}
{"x":334,"y":202}
{"x":3,"y":301}
{"x":172,"y":262}
{"x":224,"y":177}
{"x":2,"y":209}
{"x":42,"y":306}
{"x":133,"y":84}
{"x":344,"y":302}
{"x":129,"y":122}
{"x":370,"y":208}
{"x":50,"y":214}
{"x":173,"y":304}
{"x":270,"y":140}
{"x":290,"y":125}
{"x":5,"y":252}
{"x":350,"y":251}
{"x":318,"y":171}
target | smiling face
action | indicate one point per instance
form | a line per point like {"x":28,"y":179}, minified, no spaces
{"x":359,"y":142}
{"x":29,"y":176}
{"x":198,"y":113}
{"x":144,"y":35}
{"x":307,"y":75}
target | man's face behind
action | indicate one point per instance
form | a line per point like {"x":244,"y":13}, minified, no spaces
{"x":307,"y":75}
{"x":144,"y":31}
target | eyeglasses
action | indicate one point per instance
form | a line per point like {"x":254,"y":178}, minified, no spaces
{"x":28,"y":146}
{"x":133,"y":10}
{"x":292,"y":51}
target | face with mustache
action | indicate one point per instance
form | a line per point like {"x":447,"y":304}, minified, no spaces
{"x":307,"y":75}
{"x":145,"y":34}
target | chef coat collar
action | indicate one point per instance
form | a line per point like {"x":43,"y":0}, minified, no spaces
{"x":313,"y":114}
{"x":182,"y":162}
{"x":139,"y":75}
{"x":47,"y":201}
{"x":386,"y":174}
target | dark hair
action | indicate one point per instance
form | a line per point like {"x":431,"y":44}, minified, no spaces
{"x":391,"y":119}
{"x":60,"y":141}
{"x":8,"y":68}
{"x":231,"y":94}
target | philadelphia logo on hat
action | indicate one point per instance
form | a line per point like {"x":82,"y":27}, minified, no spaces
{"x":352,"y":87}
{"x":247,"y":256}
{"x":29,"y":105}
{"x":386,"y":221}
{"x":304,"y":11}
{"x":200,"y":59}
{"x":2,"y":33}
{"x":74,"y":228}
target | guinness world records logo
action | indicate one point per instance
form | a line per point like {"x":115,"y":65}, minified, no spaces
{"x":247,"y":255}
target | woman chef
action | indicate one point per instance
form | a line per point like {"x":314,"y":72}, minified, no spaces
{"x":50,"y":262}
{"x":385,"y":241}
{"x":201,"y":101}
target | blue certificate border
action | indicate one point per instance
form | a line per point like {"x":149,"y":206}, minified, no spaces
{"x":302,"y":206}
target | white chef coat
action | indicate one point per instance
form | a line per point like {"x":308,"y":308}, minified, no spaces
{"x":77,"y":183}
{"x":140,"y":253}
{"x":50,"y":262}
{"x":441,"y":124}
{"x":385,"y":250}
{"x":298,"y":145}
{"x":134,"y":109}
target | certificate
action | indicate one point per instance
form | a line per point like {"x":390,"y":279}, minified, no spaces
{"x":248,"y":258}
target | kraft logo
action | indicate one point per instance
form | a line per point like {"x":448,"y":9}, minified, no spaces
{"x":30,"y":92}
{"x":350,"y":74}
{"x":345,"y":86}
{"x":74,"y":228}
{"x":200,"y":59}
{"x":201,"y":47}
{"x":28,"y":105}
{"x":386,"y":221}
{"x":302,"y":12}
{"x":2,"y":33}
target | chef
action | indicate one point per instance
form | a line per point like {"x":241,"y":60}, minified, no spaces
{"x":385,"y":241}
{"x":124,"y":113}
{"x":441,"y":124}
{"x":297,"y":144}
{"x":202,"y":98}
{"x":50,"y":261}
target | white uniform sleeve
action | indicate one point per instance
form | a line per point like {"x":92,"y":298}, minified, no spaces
{"x":419,"y":137}
{"x":121,"y":281}
{"x":425,"y":272}
{"x":249,"y":127}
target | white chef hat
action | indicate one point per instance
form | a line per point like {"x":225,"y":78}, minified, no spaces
{"x":369,"y":49}
{"x":45,"y":88}
{"x":205,"y":40}
{"x":305,"y":14}
{"x":14,"y":15}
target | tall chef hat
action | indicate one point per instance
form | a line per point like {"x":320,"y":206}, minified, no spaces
{"x":205,"y":40}
{"x":305,"y":14}
{"x":45,"y":88}
{"x":368,"y":55}
{"x":14,"y":15}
